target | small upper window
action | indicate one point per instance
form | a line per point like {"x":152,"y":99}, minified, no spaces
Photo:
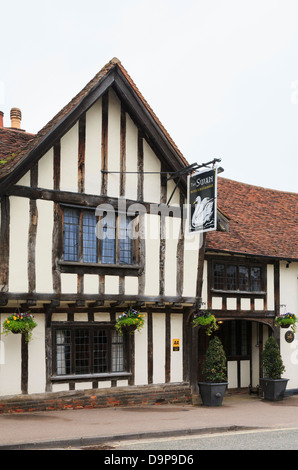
{"x":233,"y":277}
{"x":110,"y":242}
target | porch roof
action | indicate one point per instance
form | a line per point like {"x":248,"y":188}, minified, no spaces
{"x":262,"y":222}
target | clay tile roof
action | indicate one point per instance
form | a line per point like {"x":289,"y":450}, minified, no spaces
{"x":20,"y":153}
{"x":11,"y":143}
{"x":263,"y":222}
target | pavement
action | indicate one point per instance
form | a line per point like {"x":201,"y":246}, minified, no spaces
{"x":97,"y":427}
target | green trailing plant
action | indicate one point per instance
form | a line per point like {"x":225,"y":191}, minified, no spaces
{"x":273,"y":365}
{"x":129,"y":321}
{"x":20,"y":323}
{"x":206,"y":320}
{"x":286,"y":321}
{"x":215,"y":365}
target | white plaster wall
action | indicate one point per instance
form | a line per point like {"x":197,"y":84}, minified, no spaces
{"x":91,"y":284}
{"x":10,"y":362}
{"x":244,"y":373}
{"x":270,"y":287}
{"x":205,"y":285}
{"x":131,"y":285}
{"x":191,"y":254}
{"x":131,"y":184}
{"x":43,"y":256}
{"x":231,"y":303}
{"x":232,"y":374}
{"x":111,"y":284}
{"x":114,"y":144}
{"x":141,"y":355}
{"x":69,"y":160}
{"x":69,"y":283}
{"x":25,"y":180}
{"x":151,"y":181}
{"x":177,"y":356}
{"x":172,"y":235}
{"x":45,"y":170}
{"x":289,"y":298}
{"x":18,"y":259}
{"x":152,"y":244}
{"x":93,"y":149}
{"x":36,"y":355}
{"x":159,"y":347}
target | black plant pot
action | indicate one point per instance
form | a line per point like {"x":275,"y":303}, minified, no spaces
{"x":212,"y":393}
{"x":273,"y":389}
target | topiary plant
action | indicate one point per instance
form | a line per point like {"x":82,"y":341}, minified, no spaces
{"x":215,"y":365}
{"x":272,"y":362}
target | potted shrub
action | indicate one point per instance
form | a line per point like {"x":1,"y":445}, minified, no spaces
{"x":286,"y":321}
{"x":215,"y":374}
{"x":129,"y":321}
{"x":205,"y":320}
{"x":272,"y":384}
{"x":20,"y":323}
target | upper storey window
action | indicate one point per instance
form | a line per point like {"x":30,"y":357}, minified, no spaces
{"x":88,"y":241}
{"x":234,"y":277}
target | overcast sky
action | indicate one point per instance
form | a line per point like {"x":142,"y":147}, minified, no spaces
{"x":221,"y":75}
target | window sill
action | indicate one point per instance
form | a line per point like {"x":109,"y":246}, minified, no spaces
{"x":88,"y":377}
{"x":98,"y":268}
{"x":238,"y":292}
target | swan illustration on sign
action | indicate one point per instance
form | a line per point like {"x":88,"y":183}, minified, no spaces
{"x":203,"y":213}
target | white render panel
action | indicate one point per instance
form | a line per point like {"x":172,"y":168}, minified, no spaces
{"x":244,"y":373}
{"x":141,"y":355}
{"x":159,"y":347}
{"x":232,"y":374}
{"x":245,"y":304}
{"x":289,"y":287}
{"x":191,"y":253}
{"x":270,"y":287}
{"x":231,"y":303}
{"x":25,"y":180}
{"x":111,"y":284}
{"x":43,"y":256}
{"x":114,"y":144}
{"x":151,"y":181}
{"x":10,"y":365}
{"x":217,"y":303}
{"x":18,"y":259}
{"x":91,"y":284}
{"x":69,"y":160}
{"x":177,"y":356}
{"x":172,"y":236}
{"x":289,"y":298}
{"x":131,"y":285}
{"x":69,"y":283}
{"x":131,"y":179}
{"x":176,"y":196}
{"x":81,"y":316}
{"x":93,"y":149}
{"x":152,"y":228}
{"x":259,"y":304}
{"x":46,"y":170}
{"x":37,"y":360}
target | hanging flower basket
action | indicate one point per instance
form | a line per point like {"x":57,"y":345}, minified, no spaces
{"x":288,"y":320}
{"x":20,"y":323}
{"x":206,"y":320}
{"x":130,"y":321}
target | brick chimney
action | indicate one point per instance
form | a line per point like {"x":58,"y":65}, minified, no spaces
{"x":1,"y":118}
{"x":16,"y":117}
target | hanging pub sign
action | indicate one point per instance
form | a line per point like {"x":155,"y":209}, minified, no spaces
{"x":202,"y":197}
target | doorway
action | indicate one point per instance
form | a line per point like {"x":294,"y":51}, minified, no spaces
{"x":236,"y":337}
